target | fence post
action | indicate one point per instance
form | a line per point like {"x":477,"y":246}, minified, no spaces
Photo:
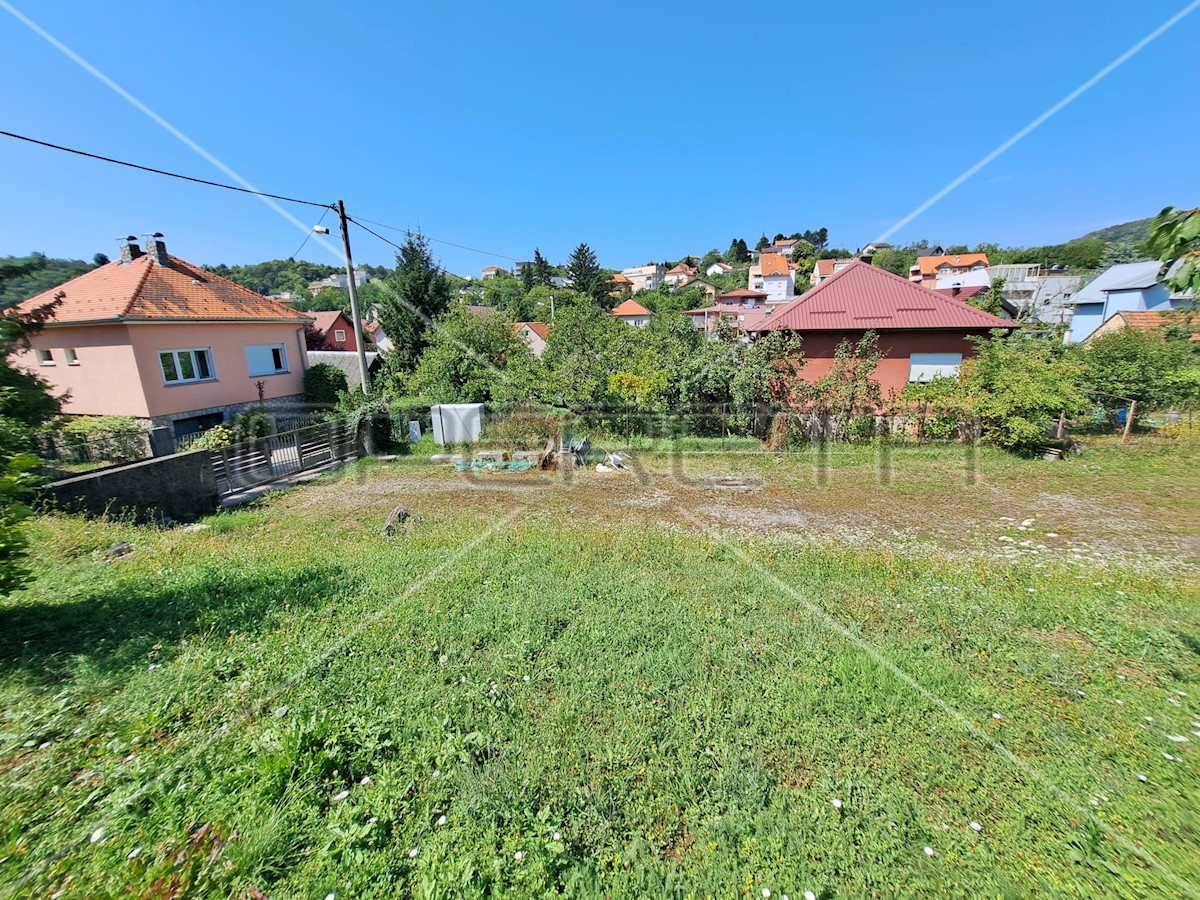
{"x":299,"y":449}
{"x":1129,"y":420}
{"x":224,"y":451}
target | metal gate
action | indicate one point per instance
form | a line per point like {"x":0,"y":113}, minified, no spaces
{"x":257,"y":462}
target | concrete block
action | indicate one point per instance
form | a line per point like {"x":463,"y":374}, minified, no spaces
{"x":446,"y":459}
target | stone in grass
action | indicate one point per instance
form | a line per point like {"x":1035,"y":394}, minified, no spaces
{"x":119,"y":549}
{"x":446,"y":459}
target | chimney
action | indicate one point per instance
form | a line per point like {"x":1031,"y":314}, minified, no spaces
{"x":156,"y":249}
{"x":956,"y":290}
{"x":866,"y":257}
{"x":130,"y":250}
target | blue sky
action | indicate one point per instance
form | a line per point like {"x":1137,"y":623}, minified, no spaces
{"x":649,"y":130}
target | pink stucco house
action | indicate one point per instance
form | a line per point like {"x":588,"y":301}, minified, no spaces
{"x":169,"y":343}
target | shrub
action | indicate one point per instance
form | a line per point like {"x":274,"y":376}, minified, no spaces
{"x":323,"y":383}
{"x":406,"y":409}
{"x":214,"y":439}
{"x":524,"y":429}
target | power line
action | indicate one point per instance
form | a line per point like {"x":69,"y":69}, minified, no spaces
{"x":360,"y":222}
{"x":121,"y":162}
{"x":310,"y":234}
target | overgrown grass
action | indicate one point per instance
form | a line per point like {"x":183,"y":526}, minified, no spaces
{"x":594,"y":710}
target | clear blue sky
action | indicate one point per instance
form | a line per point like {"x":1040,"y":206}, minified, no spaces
{"x":649,"y":130}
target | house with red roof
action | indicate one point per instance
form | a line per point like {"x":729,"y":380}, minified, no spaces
{"x":922,"y":333}
{"x":743,"y":310}
{"x":677,"y":275}
{"x":632,"y":313}
{"x":775,"y":276}
{"x":824,"y":269}
{"x":534,"y":334}
{"x":928,"y":269}
{"x":166,"y":342}
{"x":333,"y":331}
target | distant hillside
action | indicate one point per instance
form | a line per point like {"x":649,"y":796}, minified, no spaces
{"x":22,"y":277}
{"x":1134,"y":232}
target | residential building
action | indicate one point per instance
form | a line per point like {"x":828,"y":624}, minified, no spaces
{"x":677,"y":275}
{"x":166,"y":342}
{"x":621,"y":286}
{"x":711,"y":291}
{"x":825,"y":269}
{"x":335,"y":331}
{"x":772,"y":275}
{"x":493,"y":271}
{"x":632,"y":313}
{"x":645,"y":278}
{"x":373,"y":329}
{"x":928,"y":269}
{"x":875,"y":246}
{"x":743,"y":310}
{"x":1150,"y":321}
{"x":534,"y":334}
{"x":1126,"y":287}
{"x":519,"y":267}
{"x":1029,"y":291}
{"x":718,"y":268}
{"x":922,"y":334}
{"x":340,"y":281}
{"x":561,"y":281}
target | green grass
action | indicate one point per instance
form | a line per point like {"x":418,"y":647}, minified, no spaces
{"x":630,"y":701}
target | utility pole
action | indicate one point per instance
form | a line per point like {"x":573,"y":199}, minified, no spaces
{"x":354,"y":313}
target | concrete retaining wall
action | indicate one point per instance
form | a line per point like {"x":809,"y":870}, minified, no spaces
{"x":179,"y":487}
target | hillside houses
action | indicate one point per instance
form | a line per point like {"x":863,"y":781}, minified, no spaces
{"x":928,"y":269}
{"x":774,"y":276}
{"x":645,"y":278}
{"x":1126,"y":287}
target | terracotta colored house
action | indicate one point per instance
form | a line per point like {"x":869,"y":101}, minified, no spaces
{"x":336,"y":330}
{"x":922,"y":333}
{"x":632,"y":313}
{"x":169,"y":343}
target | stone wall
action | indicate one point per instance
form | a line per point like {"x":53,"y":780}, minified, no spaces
{"x":179,"y":487}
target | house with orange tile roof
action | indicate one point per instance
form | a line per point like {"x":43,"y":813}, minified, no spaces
{"x":645,"y":278}
{"x":677,"y":275}
{"x":166,"y":342}
{"x":824,"y":269}
{"x":928,"y":269}
{"x":621,"y":286}
{"x":774,"y":276}
{"x":632,"y":313}
{"x":534,"y":334}
{"x":1150,"y":321}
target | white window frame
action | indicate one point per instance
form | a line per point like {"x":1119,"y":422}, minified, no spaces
{"x":194,"y":355}
{"x":44,"y":357}
{"x":339,"y":335}
{"x":71,"y":355}
{"x":272,"y":349}
{"x":927,"y":366}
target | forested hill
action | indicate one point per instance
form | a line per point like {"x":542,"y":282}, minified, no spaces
{"x":276,"y":276}
{"x":1135,"y":231}
{"x":22,"y":277}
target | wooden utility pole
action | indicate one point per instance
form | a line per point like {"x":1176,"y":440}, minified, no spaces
{"x":355,"y":316}
{"x":1129,"y":420}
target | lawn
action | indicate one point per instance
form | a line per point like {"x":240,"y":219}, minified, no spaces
{"x":653,"y":683}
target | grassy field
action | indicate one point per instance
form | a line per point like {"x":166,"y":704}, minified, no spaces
{"x":655,"y":683}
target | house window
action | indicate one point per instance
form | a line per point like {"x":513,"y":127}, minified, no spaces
{"x":266,"y":359}
{"x":185,"y":366}
{"x":44,"y":357}
{"x":926,"y":366}
{"x":72,"y":359}
{"x":340,"y":335}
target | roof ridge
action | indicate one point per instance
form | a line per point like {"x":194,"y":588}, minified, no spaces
{"x":137,"y":288}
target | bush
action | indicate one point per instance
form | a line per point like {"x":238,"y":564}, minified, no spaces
{"x":407,"y":409}
{"x":524,"y":429}
{"x":360,"y":412}
{"x":214,"y":439}
{"x":323,"y":383}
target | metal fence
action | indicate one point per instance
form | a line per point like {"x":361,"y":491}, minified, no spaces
{"x":256,"y":462}
{"x":64,"y":454}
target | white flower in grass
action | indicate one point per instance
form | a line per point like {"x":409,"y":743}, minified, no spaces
{"x":134,"y":853}
{"x":996,"y":716}
{"x":373,"y":820}
{"x":1168,"y":757}
{"x":557,"y":836}
{"x":519,"y":855}
{"x":366,"y":779}
{"x":96,"y":835}
{"x":441,"y":820}
{"x":766,"y":892}
{"x":976,"y":827}
{"x":929,"y":851}
{"x":1143,"y":778}
{"x":1119,"y":702}
{"x":412,"y":854}
{"x":1177,"y":738}
{"x":437,"y":773}
{"x":340,"y":796}
{"x":945,"y":827}
{"x":837,"y":802}
{"x":332,"y":895}
{"x":526,"y":679}
{"x":809,"y":895}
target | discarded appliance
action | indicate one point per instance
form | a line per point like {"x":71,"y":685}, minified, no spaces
{"x":457,"y":423}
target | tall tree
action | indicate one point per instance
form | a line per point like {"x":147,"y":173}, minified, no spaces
{"x":542,"y":271}
{"x":586,"y":275}
{"x":1175,"y":236}
{"x":763,"y":242}
{"x":417,"y":291}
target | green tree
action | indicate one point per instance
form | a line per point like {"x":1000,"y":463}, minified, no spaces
{"x":100,"y":259}
{"x":1175,"y":239}
{"x":1138,"y":366}
{"x":763,"y":242}
{"x":991,"y":300}
{"x":542,"y":270}
{"x":472,"y":359}
{"x":327,"y":300}
{"x":586,"y":275}
{"x":506,"y":294}
{"x":738,"y":252}
{"x":417,"y":292}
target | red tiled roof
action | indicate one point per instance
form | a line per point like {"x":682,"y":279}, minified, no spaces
{"x":324,"y":320}
{"x":618,"y":278}
{"x":743,"y":294}
{"x":541,"y":329}
{"x":1153,"y":320}
{"x":681,"y":269}
{"x":827,"y":267}
{"x":773,"y":264}
{"x":786,"y":242}
{"x":630,"y":308}
{"x":929,"y":264}
{"x":962,"y":293}
{"x":142,"y":289}
{"x":861,"y":297}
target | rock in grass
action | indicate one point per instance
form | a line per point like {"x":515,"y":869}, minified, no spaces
{"x":400,"y":515}
{"x":119,"y":549}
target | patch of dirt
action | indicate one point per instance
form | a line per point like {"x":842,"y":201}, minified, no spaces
{"x":1065,"y":639}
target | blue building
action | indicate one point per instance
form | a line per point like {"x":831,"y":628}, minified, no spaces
{"x":1126,"y":287}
